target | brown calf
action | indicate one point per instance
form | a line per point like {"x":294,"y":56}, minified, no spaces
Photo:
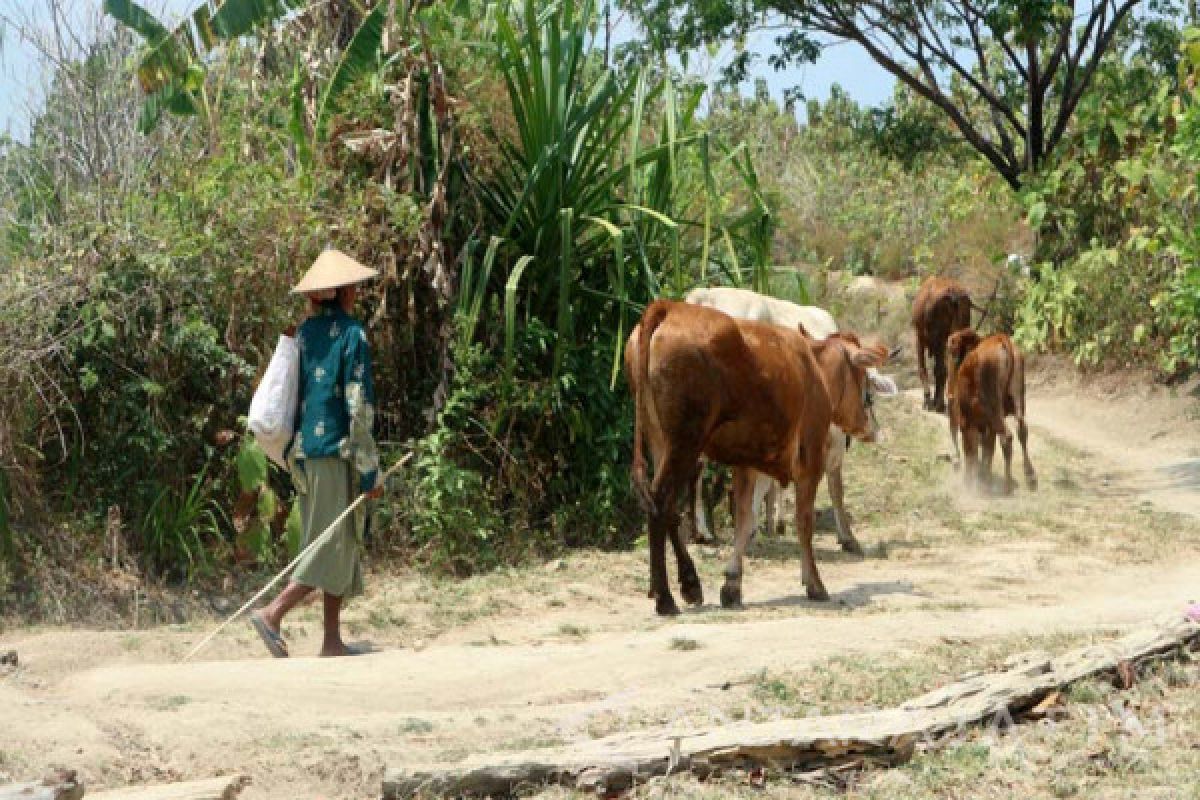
{"x":941,"y":307}
{"x":742,"y":393}
{"x":987,"y":383}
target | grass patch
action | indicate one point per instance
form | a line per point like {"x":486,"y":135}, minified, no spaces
{"x":572,"y":630}
{"x":684,"y":644}
{"x":1108,"y":744}
{"x":415,"y":725}
{"x":172,"y":702}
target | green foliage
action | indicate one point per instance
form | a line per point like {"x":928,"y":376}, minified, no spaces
{"x":180,"y":530}
{"x":844,"y":199}
{"x":1007,"y":74}
{"x":148,"y":372}
{"x":7,"y":545}
{"x":523,"y":466}
{"x":589,"y":199}
{"x":1119,"y":238}
{"x":252,"y":466}
{"x":907,"y":130}
{"x":360,"y":57}
{"x":608,"y":192}
{"x":450,"y":515}
{"x":257,"y":504}
{"x":294,"y":531}
{"x":140,"y":301}
{"x":172,"y":69}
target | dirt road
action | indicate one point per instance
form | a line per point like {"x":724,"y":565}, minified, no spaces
{"x":572,"y":650}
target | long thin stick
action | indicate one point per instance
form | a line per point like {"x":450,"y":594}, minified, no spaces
{"x":312,"y":545}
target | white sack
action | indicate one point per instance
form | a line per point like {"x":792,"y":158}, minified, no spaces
{"x":272,"y":416}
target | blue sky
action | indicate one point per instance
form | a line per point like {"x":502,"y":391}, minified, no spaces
{"x":21,"y":78}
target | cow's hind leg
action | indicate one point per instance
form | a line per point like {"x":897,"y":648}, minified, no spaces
{"x":713,"y":491}
{"x":939,"y":376}
{"x":692,"y":513}
{"x":1023,"y":438}
{"x":1006,"y":448}
{"x":970,"y":444}
{"x":988,"y":437}
{"x":664,"y":522}
{"x":835,"y":456}
{"x":689,"y":580}
{"x":744,"y":481}
{"x":953,"y":423}
{"x":838,"y":496}
{"x":771,"y":501}
{"x":927,"y":399}
{"x":806,"y":495}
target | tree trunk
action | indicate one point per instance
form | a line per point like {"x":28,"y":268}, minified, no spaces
{"x":614,"y":763}
{"x":225,"y":788}
{"x":1036,"y":134}
{"x":58,"y":785}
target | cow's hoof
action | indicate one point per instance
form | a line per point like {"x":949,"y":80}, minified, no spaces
{"x":816,"y":592}
{"x":1031,"y":482}
{"x":665,"y":606}
{"x":731,"y":596}
{"x":851,"y":546}
{"x":692,"y":590}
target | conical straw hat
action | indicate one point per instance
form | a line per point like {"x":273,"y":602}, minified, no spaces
{"x":332,"y":269}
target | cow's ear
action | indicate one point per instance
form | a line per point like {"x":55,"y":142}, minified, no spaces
{"x":868,"y":357}
{"x":882,"y":385}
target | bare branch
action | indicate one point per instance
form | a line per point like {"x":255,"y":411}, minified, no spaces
{"x":1104,"y":38}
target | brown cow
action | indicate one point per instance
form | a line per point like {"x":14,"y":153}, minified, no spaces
{"x":742,"y":393}
{"x":941,"y":307}
{"x":987,"y":383}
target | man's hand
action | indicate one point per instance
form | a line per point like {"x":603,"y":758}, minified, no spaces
{"x":375,"y":493}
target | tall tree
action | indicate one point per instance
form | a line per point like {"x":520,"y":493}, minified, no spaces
{"x":1007,"y":73}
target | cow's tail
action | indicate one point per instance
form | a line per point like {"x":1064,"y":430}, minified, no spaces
{"x":986,"y":307}
{"x":653,"y":317}
{"x":1015,"y":373}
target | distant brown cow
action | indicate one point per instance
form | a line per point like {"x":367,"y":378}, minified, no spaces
{"x":742,"y":393}
{"x":987,"y":383}
{"x":941,"y":307}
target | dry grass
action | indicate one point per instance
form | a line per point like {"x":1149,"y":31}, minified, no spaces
{"x":1104,"y":743}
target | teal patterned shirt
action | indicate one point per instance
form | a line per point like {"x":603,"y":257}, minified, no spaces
{"x":337,"y":394}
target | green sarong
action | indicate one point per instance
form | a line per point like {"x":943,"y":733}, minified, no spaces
{"x":326,"y":487}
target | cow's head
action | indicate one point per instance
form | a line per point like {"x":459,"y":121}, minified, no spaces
{"x":959,"y":345}
{"x":849,"y":369}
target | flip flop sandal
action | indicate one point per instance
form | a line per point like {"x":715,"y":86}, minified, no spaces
{"x":274,"y":642}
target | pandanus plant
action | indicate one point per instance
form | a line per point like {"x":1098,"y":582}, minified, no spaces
{"x":596,"y":209}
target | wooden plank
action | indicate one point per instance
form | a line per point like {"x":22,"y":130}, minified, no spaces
{"x":224,"y":788}
{"x":615,"y":762}
{"x":60,"y":784}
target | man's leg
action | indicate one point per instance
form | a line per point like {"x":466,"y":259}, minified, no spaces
{"x":284,"y":602}
{"x":333,"y":644}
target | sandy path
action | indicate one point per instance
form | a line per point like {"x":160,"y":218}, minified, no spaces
{"x":1150,"y":442}
{"x":313,"y":728}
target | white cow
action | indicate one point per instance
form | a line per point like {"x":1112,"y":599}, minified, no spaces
{"x":819,"y":323}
